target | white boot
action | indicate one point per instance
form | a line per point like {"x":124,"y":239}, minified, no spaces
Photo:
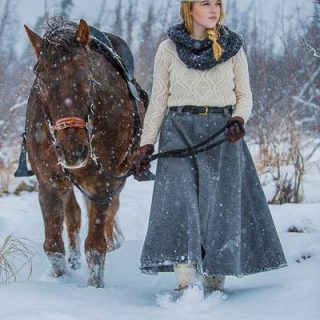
{"x":211,"y":283}
{"x":186,"y":275}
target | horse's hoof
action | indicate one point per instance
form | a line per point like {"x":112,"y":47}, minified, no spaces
{"x":58,"y":273}
{"x":96,"y":283}
{"x":75,"y":264}
{"x":96,"y":269}
{"x":58,"y":264}
{"x":74,"y":261}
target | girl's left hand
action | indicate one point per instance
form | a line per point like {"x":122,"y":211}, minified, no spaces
{"x":235,"y":129}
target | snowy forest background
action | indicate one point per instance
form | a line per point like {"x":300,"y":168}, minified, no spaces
{"x":281,"y":43}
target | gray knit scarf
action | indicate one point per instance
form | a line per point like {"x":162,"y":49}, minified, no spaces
{"x":197,"y":54}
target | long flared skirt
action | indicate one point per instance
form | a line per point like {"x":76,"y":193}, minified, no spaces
{"x":208,"y":209}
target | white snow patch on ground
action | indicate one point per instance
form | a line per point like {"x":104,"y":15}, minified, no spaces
{"x":288,"y":293}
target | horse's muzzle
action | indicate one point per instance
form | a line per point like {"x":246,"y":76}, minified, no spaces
{"x":72,"y":147}
{"x":73,"y":158}
{"x":73,"y":167}
{"x":72,"y":144}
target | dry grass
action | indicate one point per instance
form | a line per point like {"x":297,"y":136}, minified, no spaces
{"x":15,"y":255}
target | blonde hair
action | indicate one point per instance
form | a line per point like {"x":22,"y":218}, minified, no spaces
{"x":213,"y":34}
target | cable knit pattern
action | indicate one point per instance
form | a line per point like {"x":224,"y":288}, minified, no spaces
{"x":174,"y":84}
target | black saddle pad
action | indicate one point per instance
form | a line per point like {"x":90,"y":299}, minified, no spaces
{"x":123,"y":50}
{"x":101,"y":40}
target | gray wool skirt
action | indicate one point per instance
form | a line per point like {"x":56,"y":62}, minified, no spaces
{"x":208,"y":209}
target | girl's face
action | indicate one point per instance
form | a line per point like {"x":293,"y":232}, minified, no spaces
{"x":206,"y":13}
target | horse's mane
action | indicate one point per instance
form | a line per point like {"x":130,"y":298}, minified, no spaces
{"x":59,"y":38}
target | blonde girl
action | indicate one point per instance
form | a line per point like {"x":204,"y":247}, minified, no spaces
{"x":209,"y":217}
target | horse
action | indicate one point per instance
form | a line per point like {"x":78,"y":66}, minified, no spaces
{"x":80,"y":129}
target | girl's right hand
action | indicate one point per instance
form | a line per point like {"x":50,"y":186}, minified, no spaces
{"x":141,"y":161}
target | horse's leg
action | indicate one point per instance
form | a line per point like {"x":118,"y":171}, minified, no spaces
{"x":110,"y":223}
{"x":96,"y":244}
{"x":73,"y":222}
{"x":52,"y":210}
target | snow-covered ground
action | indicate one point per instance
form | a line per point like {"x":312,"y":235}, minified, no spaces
{"x":288,"y":293}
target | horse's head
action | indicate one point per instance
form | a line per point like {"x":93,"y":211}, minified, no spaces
{"x":63,"y":78}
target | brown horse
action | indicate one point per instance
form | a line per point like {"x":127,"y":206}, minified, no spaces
{"x":79,"y":128}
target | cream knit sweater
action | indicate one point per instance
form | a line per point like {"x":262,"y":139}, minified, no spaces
{"x":174,"y":84}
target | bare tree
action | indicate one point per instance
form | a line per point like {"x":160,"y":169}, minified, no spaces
{"x":131,"y":20}
{"x":312,"y":39}
{"x":118,"y":27}
{"x":66,"y":7}
{"x":309,"y":94}
{"x":100,"y":14}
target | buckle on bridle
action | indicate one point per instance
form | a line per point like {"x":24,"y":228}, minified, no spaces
{"x":204,"y":113}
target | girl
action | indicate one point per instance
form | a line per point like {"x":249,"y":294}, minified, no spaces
{"x":209,"y":216}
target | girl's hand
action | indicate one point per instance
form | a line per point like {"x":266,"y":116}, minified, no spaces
{"x":141,"y":160}
{"x":235,"y":129}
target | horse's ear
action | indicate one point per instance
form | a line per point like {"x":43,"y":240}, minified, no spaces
{"x":35,"y":40}
{"x":83,"y":34}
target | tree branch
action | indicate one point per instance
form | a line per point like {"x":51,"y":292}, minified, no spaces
{"x":308,"y":104}
{"x":312,"y":49}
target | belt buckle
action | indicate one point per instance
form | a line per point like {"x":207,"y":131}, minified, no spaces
{"x":204,"y":113}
